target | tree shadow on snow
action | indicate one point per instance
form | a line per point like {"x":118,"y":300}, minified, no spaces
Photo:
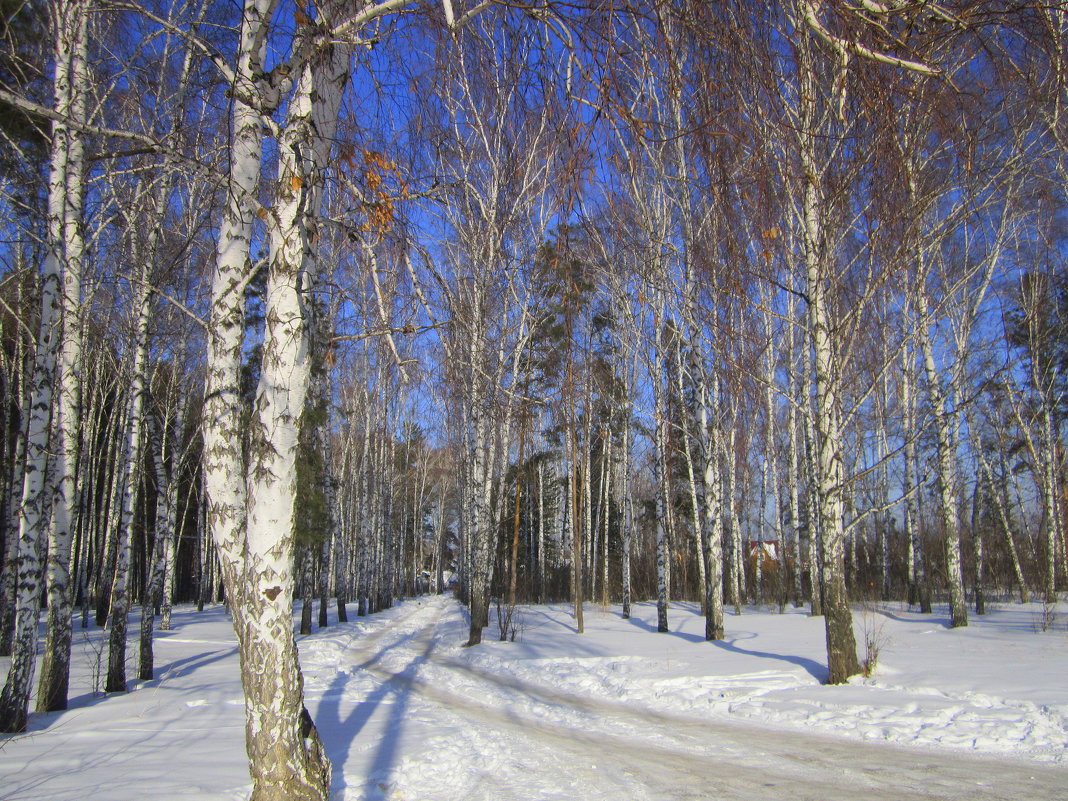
{"x":339,"y":733}
{"x":555,"y":621}
{"x":817,"y":670}
{"x":646,"y":626}
{"x":172,"y":670}
{"x":183,"y":667}
{"x":916,"y":617}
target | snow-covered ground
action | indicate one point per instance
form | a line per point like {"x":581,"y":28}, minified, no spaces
{"x":619,"y":712}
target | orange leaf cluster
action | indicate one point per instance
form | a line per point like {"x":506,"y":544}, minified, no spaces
{"x":379,"y":172}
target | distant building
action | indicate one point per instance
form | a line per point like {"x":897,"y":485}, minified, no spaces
{"x":767,"y":549}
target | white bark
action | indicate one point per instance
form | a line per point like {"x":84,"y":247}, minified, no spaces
{"x":712,"y":519}
{"x":838,"y":618}
{"x":282,"y":763}
{"x":256,"y":549}
{"x":541,"y":531}
{"x":663,"y":551}
{"x":55,"y":667}
{"x":769,"y":466}
{"x":794,"y":464}
{"x":162,"y":542}
{"x":69,"y":20}
{"x":946,"y":465}
{"x":173,"y":521}
{"x":919,"y":588}
{"x":691,"y":475}
{"x":730,"y":503}
{"x":120,"y":593}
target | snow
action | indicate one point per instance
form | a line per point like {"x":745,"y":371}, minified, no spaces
{"x":620,"y":711}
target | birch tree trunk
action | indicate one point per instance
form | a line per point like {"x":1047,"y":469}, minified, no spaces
{"x":286,"y":756}
{"x":691,"y":475}
{"x":13,"y":491}
{"x":793,"y":465}
{"x":480,"y":527}
{"x":541,"y":532}
{"x":838,"y":617}
{"x":628,"y":514}
{"x":55,"y":666}
{"x":306,"y":587}
{"x":734,"y":532}
{"x":156,"y":560}
{"x":815,"y":523}
{"x":341,"y":556}
{"x":120,"y":595}
{"x":946,"y":466}
{"x":770,"y":467}
{"x":11,"y":529}
{"x":173,"y":521}
{"x":977,"y":538}
{"x":663,"y":553}
{"x":712,"y":520}
{"x":919,"y":588}
{"x":223,"y":468}
{"x":69,"y":24}
{"x":256,"y":548}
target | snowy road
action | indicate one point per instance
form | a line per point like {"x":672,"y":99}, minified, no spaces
{"x":619,"y":713}
{"x":421,"y":721}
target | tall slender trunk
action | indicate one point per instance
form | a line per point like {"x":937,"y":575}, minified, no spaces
{"x":256,"y":547}
{"x":838,"y":617}
{"x":55,"y":666}
{"x":326,"y":551}
{"x":573,"y":475}
{"x":575,"y":530}
{"x":14,"y":496}
{"x":1049,"y":483}
{"x":341,"y":560}
{"x":513,"y":567}
{"x":541,"y":531}
{"x":793,"y":465}
{"x":11,"y":549}
{"x":287,"y":759}
{"x":812,"y":504}
{"x":919,"y":589}
{"x":734,"y":531}
{"x":1002,"y":505}
{"x":70,"y":29}
{"x":660,"y":464}
{"x":628,"y":516}
{"x":306,"y":587}
{"x":712,"y":520}
{"x":884,"y":520}
{"x":174,"y":520}
{"x":110,"y":514}
{"x":607,"y":483}
{"x":770,"y":467}
{"x":480,"y":450}
{"x":11,"y":542}
{"x":120,"y":595}
{"x":946,"y":465}
{"x":155,"y":560}
{"x":691,"y":475}
{"x":980,"y":560}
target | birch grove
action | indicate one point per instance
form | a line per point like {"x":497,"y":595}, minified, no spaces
{"x":727,"y":304}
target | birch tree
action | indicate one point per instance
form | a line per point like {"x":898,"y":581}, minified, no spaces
{"x":251,"y":513}
{"x":827,"y":376}
{"x":60,"y":279}
{"x":500,"y":134}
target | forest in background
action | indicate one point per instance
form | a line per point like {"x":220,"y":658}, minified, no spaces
{"x":732,"y":302}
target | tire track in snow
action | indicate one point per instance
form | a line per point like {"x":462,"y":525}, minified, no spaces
{"x":676,"y":757}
